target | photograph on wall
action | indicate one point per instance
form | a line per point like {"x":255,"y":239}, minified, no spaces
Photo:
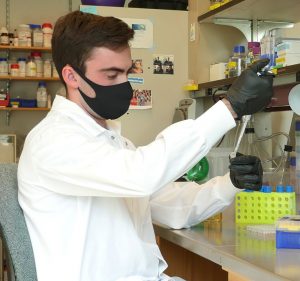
{"x":143,"y":33}
{"x":137,"y":66}
{"x":142,"y":99}
{"x":163,"y":64}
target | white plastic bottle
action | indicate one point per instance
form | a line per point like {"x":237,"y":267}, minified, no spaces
{"x":47,"y":34}
{"x":4,"y":39}
{"x":31,"y":67}
{"x":42,"y":95}
{"x":37,"y":57}
{"x":22,"y":66}
{"x":3,"y":66}
{"x":11,"y":60}
{"x":47,"y":71}
{"x":37,"y":35}
{"x":24,"y":35}
{"x":16,"y":38}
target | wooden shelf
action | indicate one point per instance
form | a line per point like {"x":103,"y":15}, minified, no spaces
{"x":24,"y":109}
{"x":292,"y":69}
{"x":283,"y":11}
{"x":19,"y":78}
{"x":24,"y":48}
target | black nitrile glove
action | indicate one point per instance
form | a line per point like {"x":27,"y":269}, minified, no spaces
{"x":250,"y":93}
{"x":246,"y":172}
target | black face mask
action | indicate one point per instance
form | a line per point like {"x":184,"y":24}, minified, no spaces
{"x":111,"y":102}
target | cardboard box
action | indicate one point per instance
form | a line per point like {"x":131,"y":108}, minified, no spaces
{"x":8,"y":148}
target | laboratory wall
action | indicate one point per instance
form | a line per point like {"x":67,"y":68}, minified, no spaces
{"x":141,"y":126}
{"x":169,"y":39}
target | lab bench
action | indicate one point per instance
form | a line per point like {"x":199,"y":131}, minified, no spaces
{"x":225,"y":251}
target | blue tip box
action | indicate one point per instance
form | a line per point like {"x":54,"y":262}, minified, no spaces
{"x":288,"y":232}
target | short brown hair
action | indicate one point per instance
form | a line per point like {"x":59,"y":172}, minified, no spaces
{"x":77,"y":33}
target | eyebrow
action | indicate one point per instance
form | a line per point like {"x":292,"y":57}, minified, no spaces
{"x":117,"y":69}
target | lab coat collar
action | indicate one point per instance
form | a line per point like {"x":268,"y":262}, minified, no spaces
{"x":75,"y":112}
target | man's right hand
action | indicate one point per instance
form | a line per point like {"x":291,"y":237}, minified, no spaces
{"x":250,"y":93}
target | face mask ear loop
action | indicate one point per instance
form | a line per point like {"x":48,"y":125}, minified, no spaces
{"x":80,"y":73}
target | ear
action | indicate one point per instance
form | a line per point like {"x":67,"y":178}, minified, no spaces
{"x":70,"y":77}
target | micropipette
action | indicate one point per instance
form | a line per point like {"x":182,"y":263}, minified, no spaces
{"x":245,"y":118}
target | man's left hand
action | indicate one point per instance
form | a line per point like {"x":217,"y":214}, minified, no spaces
{"x":246,"y":172}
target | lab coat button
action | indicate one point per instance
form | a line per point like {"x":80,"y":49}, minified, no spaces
{"x":112,"y":137}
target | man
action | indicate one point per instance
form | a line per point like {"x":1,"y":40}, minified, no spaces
{"x":85,"y":190}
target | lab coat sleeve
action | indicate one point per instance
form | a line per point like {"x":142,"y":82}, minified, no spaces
{"x":72,"y":163}
{"x":184,"y":204}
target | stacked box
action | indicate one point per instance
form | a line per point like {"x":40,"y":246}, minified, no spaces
{"x":288,"y":232}
{"x":288,"y":52}
{"x":263,"y":208}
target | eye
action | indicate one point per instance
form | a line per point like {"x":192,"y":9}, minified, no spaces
{"x":112,"y":76}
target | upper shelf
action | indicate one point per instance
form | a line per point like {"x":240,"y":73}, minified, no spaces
{"x":24,"y":48}
{"x":281,"y":10}
{"x":28,"y":78}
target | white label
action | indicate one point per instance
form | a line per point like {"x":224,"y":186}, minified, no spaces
{"x":38,"y":39}
{"x":47,"y":40}
{"x":47,"y":69}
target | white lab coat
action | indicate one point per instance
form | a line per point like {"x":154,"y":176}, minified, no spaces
{"x":85,"y":192}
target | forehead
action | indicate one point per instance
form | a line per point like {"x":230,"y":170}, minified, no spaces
{"x":104,"y":57}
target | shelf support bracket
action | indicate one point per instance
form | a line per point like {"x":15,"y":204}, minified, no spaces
{"x":264,"y":25}
{"x":253,"y":30}
{"x":7,"y":114}
{"x":7,"y":4}
{"x":70,"y":5}
{"x":245,"y":26}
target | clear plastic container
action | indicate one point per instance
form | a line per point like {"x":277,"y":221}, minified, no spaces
{"x":232,"y":69}
{"x":240,"y":58}
{"x":42,"y":95}
{"x":218,"y":159}
{"x":24,"y":35}
{"x":37,"y":35}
